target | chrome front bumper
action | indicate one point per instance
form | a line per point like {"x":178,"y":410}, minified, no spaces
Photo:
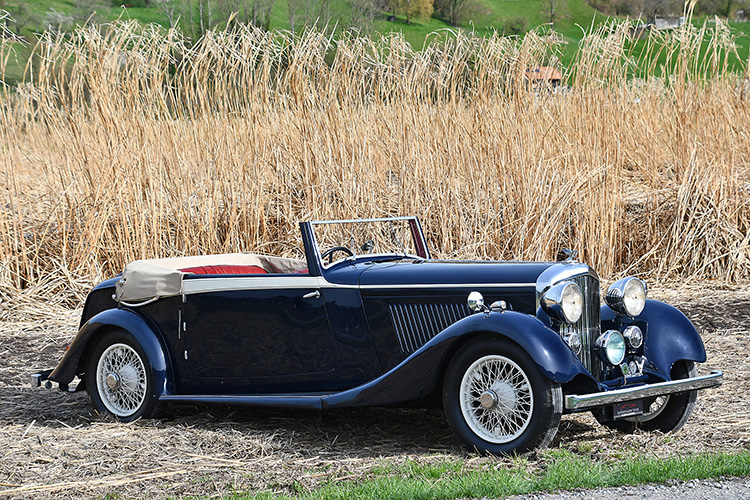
{"x":598,"y":399}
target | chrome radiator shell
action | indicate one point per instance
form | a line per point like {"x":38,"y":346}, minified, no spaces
{"x":588,"y":327}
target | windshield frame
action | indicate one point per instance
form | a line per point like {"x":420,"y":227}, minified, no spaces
{"x":418,"y":240}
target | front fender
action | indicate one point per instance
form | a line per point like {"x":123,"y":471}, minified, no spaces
{"x":146,"y":335}
{"x":417,"y":375}
{"x":669,"y":335}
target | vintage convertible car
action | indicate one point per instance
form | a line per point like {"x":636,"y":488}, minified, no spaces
{"x":384,"y":324}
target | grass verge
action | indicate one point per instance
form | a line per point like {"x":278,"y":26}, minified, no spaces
{"x":561,"y":470}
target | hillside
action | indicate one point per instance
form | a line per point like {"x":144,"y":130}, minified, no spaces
{"x":483,"y":17}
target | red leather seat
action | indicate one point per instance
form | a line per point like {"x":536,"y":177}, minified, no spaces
{"x":226,"y":269}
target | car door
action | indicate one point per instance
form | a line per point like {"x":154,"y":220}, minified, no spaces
{"x":256,"y":334}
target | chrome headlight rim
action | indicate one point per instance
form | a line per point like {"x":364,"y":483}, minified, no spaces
{"x":563,"y":301}
{"x":633,"y":336}
{"x":627,"y":296}
{"x":612,"y":347}
{"x":573,"y":340}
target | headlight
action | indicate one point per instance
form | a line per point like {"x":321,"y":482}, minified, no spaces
{"x":563,"y":301}
{"x":627,"y":296}
{"x":611,"y":345}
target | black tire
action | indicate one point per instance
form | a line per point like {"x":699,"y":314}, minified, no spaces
{"x":665,"y":413}
{"x":521,"y":406}
{"x":118,"y":378}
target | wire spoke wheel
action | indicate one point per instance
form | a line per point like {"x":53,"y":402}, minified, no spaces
{"x":121,"y":380}
{"x":663,"y":413}
{"x":496,"y":399}
{"x":652,"y":411}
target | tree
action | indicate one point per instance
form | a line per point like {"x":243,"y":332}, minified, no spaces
{"x":55,"y":20}
{"x":255,"y":12}
{"x":455,"y":12}
{"x":515,"y":26}
{"x":552,"y":9}
{"x":308,"y":12}
{"x":23,"y":16}
{"x":90,"y":9}
{"x":420,"y":9}
{"x":363,"y":14}
{"x":172,"y":10}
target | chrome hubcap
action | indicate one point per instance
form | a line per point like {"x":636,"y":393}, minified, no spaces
{"x":113,"y":381}
{"x":487,"y":400}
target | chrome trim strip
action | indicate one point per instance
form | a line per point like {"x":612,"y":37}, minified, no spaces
{"x":139,"y":304}
{"x":353,"y":221}
{"x":260,"y":282}
{"x":269,"y":281}
{"x":597,"y":399}
{"x":447,"y":285}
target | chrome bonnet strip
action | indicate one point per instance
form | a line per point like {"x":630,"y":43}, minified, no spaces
{"x":585,"y":401}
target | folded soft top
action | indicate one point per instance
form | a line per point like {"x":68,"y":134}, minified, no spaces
{"x":155,"y":278}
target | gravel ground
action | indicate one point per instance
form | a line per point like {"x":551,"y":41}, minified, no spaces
{"x":52,"y":443}
{"x":729,"y":489}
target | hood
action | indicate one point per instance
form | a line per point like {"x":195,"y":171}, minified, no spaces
{"x":460,"y":273}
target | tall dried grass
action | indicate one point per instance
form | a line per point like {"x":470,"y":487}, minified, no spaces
{"x":128,"y":142}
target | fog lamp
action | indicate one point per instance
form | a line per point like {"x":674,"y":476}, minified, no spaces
{"x":573,"y":339}
{"x":634,"y":336}
{"x":611,"y":345}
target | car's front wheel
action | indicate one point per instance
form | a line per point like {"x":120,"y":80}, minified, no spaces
{"x":118,"y":378}
{"x":664,"y":413}
{"x":497,"y":401}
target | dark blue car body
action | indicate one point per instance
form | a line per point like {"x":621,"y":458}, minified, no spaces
{"x":374,"y":330}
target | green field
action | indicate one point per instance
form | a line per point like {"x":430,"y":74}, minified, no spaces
{"x":573,"y":19}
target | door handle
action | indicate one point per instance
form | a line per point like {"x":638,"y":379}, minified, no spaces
{"x":312,"y":295}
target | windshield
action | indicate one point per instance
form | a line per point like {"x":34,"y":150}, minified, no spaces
{"x":388,"y":238}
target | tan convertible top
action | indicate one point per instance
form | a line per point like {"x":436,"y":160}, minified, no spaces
{"x":147,"y":280}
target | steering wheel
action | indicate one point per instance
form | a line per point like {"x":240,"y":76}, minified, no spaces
{"x":329,"y":253}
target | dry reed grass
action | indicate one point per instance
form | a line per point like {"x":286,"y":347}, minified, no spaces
{"x":127,"y":142}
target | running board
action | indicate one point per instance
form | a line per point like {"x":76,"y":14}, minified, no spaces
{"x":312,"y":401}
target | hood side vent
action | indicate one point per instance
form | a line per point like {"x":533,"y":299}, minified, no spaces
{"x":416,"y":324}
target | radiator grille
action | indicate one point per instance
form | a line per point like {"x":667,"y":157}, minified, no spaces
{"x":588,"y":327}
{"x":416,"y":324}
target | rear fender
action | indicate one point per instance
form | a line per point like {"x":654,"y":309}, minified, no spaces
{"x":145,"y":334}
{"x":417,"y":375}
{"x":669,"y":335}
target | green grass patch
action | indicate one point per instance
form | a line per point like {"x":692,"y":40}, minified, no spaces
{"x":560,"y":470}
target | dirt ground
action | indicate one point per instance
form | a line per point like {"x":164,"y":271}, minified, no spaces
{"x":53,"y":443}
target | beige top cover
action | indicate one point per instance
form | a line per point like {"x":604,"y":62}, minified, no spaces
{"x":148,"y":280}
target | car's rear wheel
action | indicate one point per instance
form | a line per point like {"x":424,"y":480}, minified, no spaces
{"x":664,"y":413}
{"x":118,"y":378}
{"x":497,"y":401}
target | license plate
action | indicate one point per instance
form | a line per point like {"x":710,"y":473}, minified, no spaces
{"x":629,"y":409}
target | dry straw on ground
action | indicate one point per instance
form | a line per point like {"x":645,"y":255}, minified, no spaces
{"x":128,"y":142}
{"x":54,"y":444}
